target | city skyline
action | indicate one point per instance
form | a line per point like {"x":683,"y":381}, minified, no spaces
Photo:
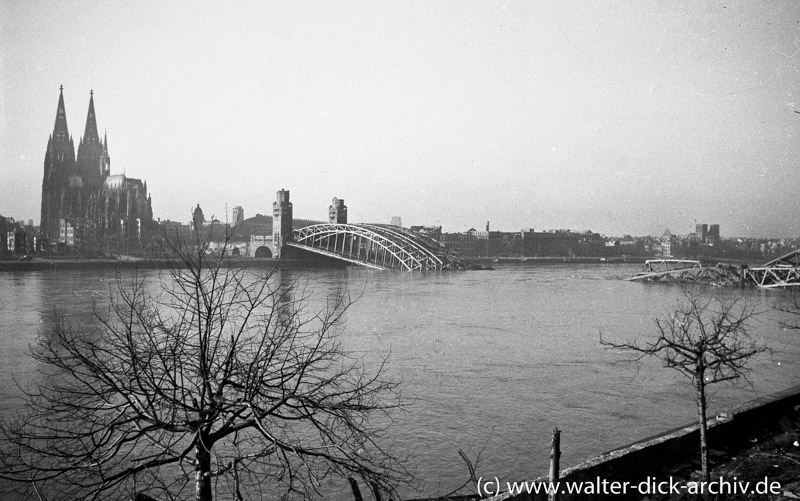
{"x":621,"y":118}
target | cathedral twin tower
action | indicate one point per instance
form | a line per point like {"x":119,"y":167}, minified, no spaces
{"x":81,"y":201}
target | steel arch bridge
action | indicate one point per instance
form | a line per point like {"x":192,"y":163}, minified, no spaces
{"x":378,"y":246}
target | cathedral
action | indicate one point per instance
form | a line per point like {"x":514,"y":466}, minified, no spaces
{"x":82,"y":203}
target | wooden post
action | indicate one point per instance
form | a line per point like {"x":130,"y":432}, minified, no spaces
{"x":555,"y":457}
{"x":356,"y":491}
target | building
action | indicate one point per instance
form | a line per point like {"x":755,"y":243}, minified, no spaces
{"x":13,"y":238}
{"x":503,"y":243}
{"x":550,"y":243}
{"x":666,"y":244}
{"x":81,"y":201}
{"x":465,"y":244}
{"x":337,"y":212}
{"x":701,"y":231}
{"x":713,"y":233}
{"x":238,"y":215}
{"x":397,"y":221}
{"x":198,"y":219}
{"x":282,"y":220}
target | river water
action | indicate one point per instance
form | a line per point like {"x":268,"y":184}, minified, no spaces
{"x":490,"y":361}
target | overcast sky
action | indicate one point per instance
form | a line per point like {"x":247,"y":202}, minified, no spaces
{"x":620,"y":117}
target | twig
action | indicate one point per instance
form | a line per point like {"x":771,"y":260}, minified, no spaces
{"x":469,"y":465}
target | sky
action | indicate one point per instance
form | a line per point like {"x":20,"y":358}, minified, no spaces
{"x":627,"y":117}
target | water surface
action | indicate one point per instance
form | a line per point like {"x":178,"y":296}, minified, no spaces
{"x":490,"y":361}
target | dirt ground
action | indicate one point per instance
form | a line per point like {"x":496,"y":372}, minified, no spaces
{"x":770,"y":453}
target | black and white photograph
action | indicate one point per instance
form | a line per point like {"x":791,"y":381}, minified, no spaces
{"x":502,"y":250}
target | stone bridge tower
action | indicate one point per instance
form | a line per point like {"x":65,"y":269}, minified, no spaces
{"x":281,"y":222}
{"x":337,"y":212}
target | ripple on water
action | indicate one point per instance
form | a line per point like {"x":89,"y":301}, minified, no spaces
{"x":491,"y":359}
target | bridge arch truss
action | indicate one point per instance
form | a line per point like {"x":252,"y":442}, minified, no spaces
{"x":780,"y":273}
{"x":379,"y":246}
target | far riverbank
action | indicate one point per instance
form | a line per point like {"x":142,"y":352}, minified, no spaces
{"x":56,"y":263}
{"x":53,"y":264}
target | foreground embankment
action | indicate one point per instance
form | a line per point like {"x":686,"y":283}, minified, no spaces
{"x":665,"y":464}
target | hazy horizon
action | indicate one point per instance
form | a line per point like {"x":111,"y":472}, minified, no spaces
{"x":616,"y":117}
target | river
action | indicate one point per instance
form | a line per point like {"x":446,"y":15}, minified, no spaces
{"x":490,"y":361}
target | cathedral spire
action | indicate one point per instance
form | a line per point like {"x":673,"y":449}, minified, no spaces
{"x":105,"y":159}
{"x":92,"y":162}
{"x":90,"y":134}
{"x":59,"y":164}
{"x":60,"y":130}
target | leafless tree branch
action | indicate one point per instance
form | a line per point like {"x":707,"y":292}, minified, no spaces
{"x":222,"y":375}
{"x":705,"y":339}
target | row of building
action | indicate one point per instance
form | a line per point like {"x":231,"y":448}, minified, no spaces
{"x":16,"y":237}
{"x":258,"y":237}
{"x":525,"y":243}
{"x":254,"y":237}
{"x":85,"y":206}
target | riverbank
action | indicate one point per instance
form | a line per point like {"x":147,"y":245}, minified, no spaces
{"x":557,"y":260}
{"x":758,"y":441}
{"x":54,"y":264}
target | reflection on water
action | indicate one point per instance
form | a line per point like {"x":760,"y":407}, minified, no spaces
{"x":490,"y":360}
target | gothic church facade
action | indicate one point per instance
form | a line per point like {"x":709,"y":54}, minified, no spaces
{"x":82,"y":203}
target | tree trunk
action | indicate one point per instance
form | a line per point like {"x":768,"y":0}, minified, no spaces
{"x":202,"y":472}
{"x":700,"y":385}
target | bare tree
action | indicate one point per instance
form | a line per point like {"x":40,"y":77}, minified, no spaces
{"x":791,"y":306}
{"x":707,"y":340}
{"x":220,"y":383}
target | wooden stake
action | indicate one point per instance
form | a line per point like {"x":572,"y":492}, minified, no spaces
{"x":555,"y":457}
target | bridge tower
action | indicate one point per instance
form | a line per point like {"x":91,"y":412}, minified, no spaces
{"x":238,"y":215}
{"x":337,"y":212}
{"x":281,"y":222}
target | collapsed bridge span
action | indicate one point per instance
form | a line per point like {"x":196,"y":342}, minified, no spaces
{"x":782,"y":272}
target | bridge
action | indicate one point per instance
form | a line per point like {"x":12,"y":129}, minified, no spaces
{"x":377,"y":246}
{"x":688,"y":270}
{"x":779,"y":273}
